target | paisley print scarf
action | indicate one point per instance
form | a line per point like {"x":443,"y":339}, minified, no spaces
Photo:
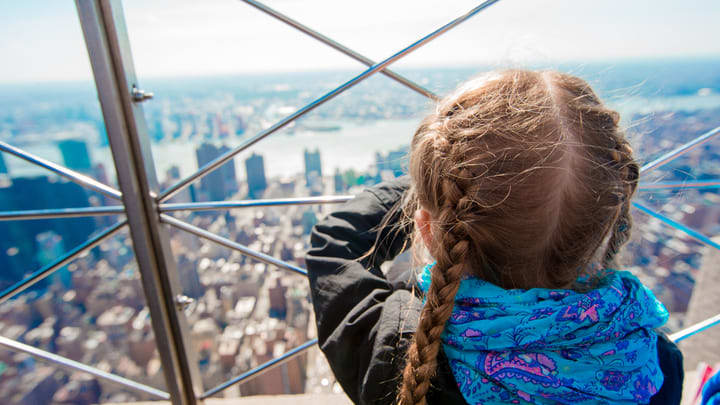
{"x":549,"y":346}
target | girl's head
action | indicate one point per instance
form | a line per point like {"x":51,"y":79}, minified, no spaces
{"x":520,"y":178}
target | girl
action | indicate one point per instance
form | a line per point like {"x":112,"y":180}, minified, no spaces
{"x":519,"y":188}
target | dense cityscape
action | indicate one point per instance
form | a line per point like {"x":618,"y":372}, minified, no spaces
{"x":245,"y":312}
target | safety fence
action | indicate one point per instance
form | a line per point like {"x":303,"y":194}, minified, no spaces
{"x":148,"y":215}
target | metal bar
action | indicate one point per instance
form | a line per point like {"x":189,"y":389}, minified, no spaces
{"x":261,"y":368}
{"x":106,"y":37}
{"x":75,"y":366}
{"x":680,"y":150}
{"x":224,"y":205}
{"x":668,"y":185}
{"x":340,"y":47}
{"x":71,"y":175}
{"x":40,"y":274}
{"x":695,"y":329}
{"x":677,"y":225}
{"x":217,"y":162}
{"x":61,"y":213}
{"x":230,"y":244}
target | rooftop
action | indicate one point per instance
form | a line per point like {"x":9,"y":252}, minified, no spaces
{"x":167,"y":317}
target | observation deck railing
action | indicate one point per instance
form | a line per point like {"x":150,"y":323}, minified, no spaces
{"x":147,"y":214}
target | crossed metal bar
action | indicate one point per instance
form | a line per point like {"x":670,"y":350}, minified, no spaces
{"x":674,"y":185}
{"x":695,"y":329}
{"x":96,"y":15}
{"x":49,"y":269}
{"x":73,"y":365}
{"x":230,"y":244}
{"x":681,"y":150}
{"x":261,"y":368}
{"x":217,"y":205}
{"x":217,"y":162}
{"x":72,"y":175}
{"x":340,"y":47}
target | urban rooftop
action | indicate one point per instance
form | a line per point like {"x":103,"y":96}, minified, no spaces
{"x":173,"y":321}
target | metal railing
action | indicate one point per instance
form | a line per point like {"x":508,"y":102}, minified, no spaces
{"x":146,"y":211}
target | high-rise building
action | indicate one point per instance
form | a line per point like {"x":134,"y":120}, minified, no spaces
{"x":220,"y":183}
{"x":49,"y":248}
{"x":308,"y":221}
{"x":312,"y":164}
{"x":4,"y":175}
{"x":313,"y":172}
{"x":339,"y":182}
{"x":255,"y":167}
{"x":278,"y":301}
{"x":396,"y":162}
{"x":189,"y":277}
{"x":18,"y":244}
{"x":75,"y":154}
{"x":3,"y":166}
{"x":228,"y":170}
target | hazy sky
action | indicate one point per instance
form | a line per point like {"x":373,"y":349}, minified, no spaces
{"x":41,"y":39}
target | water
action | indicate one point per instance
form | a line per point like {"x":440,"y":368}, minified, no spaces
{"x":377,"y":115}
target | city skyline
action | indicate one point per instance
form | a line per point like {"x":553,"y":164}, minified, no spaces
{"x":244,"y":312}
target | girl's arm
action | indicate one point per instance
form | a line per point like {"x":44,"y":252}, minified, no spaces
{"x":364,"y":322}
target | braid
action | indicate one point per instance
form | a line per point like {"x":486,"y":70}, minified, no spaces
{"x":451,"y":254}
{"x":525,"y":175}
{"x":622,"y":156}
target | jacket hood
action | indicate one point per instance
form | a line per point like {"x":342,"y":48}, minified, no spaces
{"x":554,"y":345}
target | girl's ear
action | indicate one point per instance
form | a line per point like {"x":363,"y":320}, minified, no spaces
{"x":422,"y":222}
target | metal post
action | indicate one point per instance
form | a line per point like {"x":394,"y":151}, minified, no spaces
{"x":105,"y":33}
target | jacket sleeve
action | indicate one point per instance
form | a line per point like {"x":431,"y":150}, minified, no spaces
{"x":365,"y":323}
{"x":671,"y":364}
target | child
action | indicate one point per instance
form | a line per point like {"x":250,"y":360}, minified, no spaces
{"x":520,"y":186}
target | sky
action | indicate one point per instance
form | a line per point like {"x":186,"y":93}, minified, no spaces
{"x":41,"y":40}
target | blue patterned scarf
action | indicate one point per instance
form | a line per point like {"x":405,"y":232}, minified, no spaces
{"x":554,"y":346}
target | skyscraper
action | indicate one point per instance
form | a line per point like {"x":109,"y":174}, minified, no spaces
{"x":18,"y":244}
{"x":397,"y":161}
{"x":220,"y":183}
{"x":3,"y":167}
{"x":228,"y":170}
{"x":313,"y":172}
{"x":75,"y":154}
{"x":255,"y":167}
{"x":312,"y":164}
{"x":49,"y":248}
{"x":339,"y":182}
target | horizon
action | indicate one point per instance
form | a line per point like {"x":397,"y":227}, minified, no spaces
{"x":556,"y":64}
{"x":180,"y":38}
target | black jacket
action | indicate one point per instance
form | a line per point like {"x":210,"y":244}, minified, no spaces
{"x":365,"y":321}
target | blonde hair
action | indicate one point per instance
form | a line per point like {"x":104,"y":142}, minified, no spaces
{"x":526,"y":175}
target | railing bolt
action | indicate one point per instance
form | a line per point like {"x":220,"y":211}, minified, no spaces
{"x":183,"y":301}
{"x":139,"y":95}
